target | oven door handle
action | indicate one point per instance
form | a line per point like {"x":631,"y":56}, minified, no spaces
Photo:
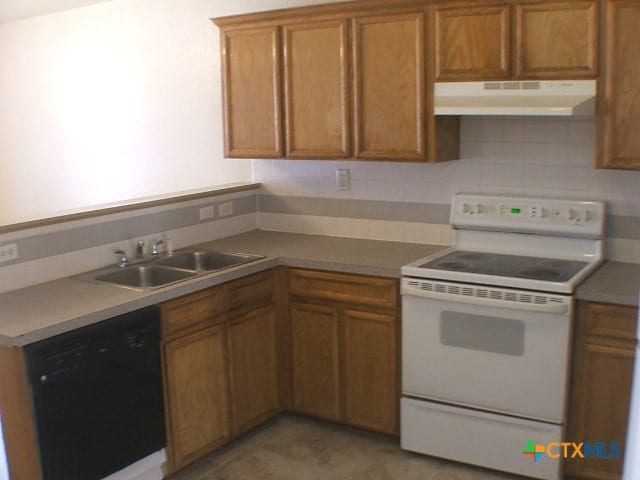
{"x":555,"y":307}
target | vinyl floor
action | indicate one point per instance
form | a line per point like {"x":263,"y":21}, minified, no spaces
{"x":298,"y":448}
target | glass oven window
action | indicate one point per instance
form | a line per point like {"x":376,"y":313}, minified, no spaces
{"x":481,"y":332}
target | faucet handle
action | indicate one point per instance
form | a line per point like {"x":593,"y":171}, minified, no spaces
{"x":124,"y":260}
{"x":155,"y":251}
{"x":139,"y":249}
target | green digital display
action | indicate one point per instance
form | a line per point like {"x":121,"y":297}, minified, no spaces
{"x":516,"y":211}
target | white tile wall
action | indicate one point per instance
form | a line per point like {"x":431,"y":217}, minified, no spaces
{"x":24,"y":274}
{"x":524,"y":156}
{"x":42,"y":270}
{"x":552,"y":157}
{"x":437,"y":234}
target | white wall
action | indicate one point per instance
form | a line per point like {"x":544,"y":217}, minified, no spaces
{"x":111,"y":102}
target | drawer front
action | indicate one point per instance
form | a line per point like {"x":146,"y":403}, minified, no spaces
{"x":460,"y":431}
{"x":251,"y":291}
{"x":358,"y":289}
{"x":197,"y":309}
{"x":613,"y":321}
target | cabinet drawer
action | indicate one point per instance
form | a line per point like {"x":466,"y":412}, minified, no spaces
{"x":251,"y":291}
{"x":186,"y":312}
{"x":373,"y":291}
{"x":613,"y":321}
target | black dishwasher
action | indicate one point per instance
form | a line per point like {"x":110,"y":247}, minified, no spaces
{"x":97,"y":394}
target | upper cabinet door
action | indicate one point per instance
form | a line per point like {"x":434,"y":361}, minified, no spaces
{"x":316,"y":90}
{"x":619,"y":108}
{"x":251,"y":84}
{"x":557,"y":39}
{"x":389,"y":87}
{"x":473,"y":42}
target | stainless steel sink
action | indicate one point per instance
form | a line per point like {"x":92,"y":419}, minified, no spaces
{"x":165,"y":271}
{"x":207,"y":260}
{"x":145,"y":277}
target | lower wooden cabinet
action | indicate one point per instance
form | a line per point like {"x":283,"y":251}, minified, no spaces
{"x":225,"y":359}
{"x":197,"y":395}
{"x":220,"y":365}
{"x":601,"y":391}
{"x":344,"y":351}
{"x":315,"y":333}
{"x":253,"y":367}
{"x":370,"y":370}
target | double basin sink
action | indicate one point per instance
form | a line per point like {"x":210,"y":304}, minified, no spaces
{"x":168,"y":270}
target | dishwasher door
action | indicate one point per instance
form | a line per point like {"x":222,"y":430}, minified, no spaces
{"x":97,"y":395}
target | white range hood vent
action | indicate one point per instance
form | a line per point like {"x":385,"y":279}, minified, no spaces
{"x":542,"y":98}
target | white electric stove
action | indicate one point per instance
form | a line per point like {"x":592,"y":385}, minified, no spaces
{"x":486,"y":330}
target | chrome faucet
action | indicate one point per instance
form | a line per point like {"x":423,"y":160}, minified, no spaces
{"x":155,"y":251}
{"x":124,"y":260}
{"x":139,"y":249}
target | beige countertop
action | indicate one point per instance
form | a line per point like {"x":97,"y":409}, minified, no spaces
{"x":33,"y":313}
{"x":613,"y":282}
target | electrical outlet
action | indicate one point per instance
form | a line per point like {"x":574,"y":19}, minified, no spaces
{"x":225,"y":209}
{"x":207,"y":212}
{"x":9,"y":252}
{"x":343,"y":180}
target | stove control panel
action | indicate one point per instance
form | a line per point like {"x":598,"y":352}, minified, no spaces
{"x":575,"y":218}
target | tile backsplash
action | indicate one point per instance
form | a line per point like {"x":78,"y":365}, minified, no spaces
{"x":69,"y":248}
{"x":524,"y":156}
{"x":548,"y":157}
{"x":386,"y":201}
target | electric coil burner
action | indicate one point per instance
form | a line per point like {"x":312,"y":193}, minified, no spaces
{"x":508,"y":266}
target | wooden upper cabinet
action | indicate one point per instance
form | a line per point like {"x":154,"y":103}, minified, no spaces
{"x":316,"y":77}
{"x":251,"y":85}
{"x":389,"y":107}
{"x":619,"y":108}
{"x":473,"y":42}
{"x":557,"y":39}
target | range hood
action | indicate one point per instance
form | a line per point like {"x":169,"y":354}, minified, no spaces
{"x":542,"y":98}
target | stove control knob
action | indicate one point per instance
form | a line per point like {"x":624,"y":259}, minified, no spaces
{"x":480,"y":209}
{"x":467,"y":208}
{"x":573,"y":215}
{"x":544,"y":212}
{"x":587,"y":215}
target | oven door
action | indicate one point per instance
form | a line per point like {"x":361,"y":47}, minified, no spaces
{"x":488,"y":348}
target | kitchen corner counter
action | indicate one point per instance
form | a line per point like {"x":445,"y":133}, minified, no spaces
{"x":348,"y":255}
{"x":613,"y":282}
{"x":33,"y":313}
